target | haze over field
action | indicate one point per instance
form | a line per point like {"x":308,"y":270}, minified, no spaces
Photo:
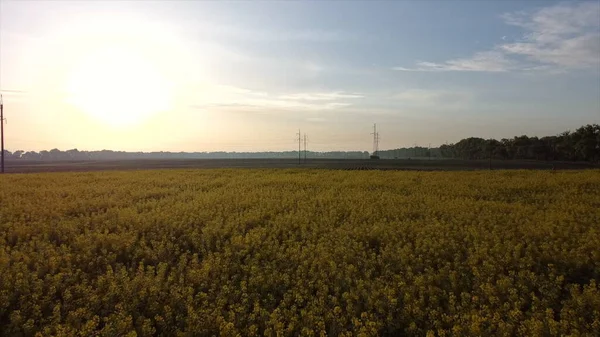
{"x":244,"y":76}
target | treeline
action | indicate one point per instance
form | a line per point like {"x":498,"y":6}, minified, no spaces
{"x":582,"y":144}
{"x":411,"y":152}
{"x":75,"y":155}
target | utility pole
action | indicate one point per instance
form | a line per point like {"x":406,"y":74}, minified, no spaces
{"x":2,"y":134}
{"x":429,"y":151}
{"x":490,"y":142}
{"x":305,"y":148}
{"x":299,"y":145}
{"x":415,"y":150}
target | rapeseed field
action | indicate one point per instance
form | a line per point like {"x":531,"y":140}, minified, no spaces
{"x":300,"y":253}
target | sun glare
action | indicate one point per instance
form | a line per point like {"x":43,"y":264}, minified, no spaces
{"x":118,"y":87}
{"x":116,"y":78}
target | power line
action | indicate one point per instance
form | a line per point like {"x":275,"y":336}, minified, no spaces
{"x":2,"y":133}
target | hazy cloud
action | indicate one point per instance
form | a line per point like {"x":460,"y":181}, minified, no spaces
{"x":216,"y":30}
{"x":557,"y":38}
{"x":8,"y":91}
{"x":233,"y":97}
{"x":565,"y":35}
{"x":320,"y":96}
{"x":492,"y":61}
{"x":432,"y":98}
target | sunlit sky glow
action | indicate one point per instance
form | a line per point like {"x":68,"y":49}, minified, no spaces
{"x":244,"y":76}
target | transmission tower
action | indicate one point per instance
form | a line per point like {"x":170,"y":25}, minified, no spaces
{"x":375,"y":142}
{"x":299,"y":139}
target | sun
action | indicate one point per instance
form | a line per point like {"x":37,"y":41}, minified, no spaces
{"x":118,"y":86}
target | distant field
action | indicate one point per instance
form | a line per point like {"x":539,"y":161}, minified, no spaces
{"x":22,"y":166}
{"x":300,"y":252}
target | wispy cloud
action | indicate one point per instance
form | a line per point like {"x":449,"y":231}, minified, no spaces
{"x":9,"y":91}
{"x":429,"y":98}
{"x":225,"y":96}
{"x":14,"y":95}
{"x":219,"y":30}
{"x":492,"y":61}
{"x":566,"y":35}
{"x":239,"y":91}
{"x":557,"y":38}
{"x":320,"y":96}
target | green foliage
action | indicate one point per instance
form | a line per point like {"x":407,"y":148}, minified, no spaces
{"x":583,"y":144}
{"x":300,"y":253}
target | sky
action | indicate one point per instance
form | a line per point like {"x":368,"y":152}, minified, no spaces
{"x":245,"y":76}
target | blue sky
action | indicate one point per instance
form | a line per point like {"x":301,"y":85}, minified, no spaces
{"x":244,"y":76}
